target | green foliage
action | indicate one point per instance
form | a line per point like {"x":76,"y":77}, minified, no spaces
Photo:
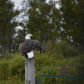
{"x":7,"y":25}
{"x":17,"y":66}
{"x":16,"y":80}
{"x":38,"y":22}
{"x":13,"y":80}
{"x":4,"y":69}
{"x":47,"y":64}
{"x":72,"y":22}
{"x":53,"y":62}
{"x":79,"y":65}
{"x":12,"y":67}
{"x":43,"y":20}
{"x":60,"y":49}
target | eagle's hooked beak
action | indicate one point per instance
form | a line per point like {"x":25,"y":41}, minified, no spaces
{"x":31,"y":35}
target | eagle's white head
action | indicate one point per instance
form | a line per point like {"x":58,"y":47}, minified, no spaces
{"x":28,"y":36}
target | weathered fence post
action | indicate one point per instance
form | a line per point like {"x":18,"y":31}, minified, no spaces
{"x":30,"y":71}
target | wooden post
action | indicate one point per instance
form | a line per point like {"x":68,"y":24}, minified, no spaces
{"x":30,"y":71}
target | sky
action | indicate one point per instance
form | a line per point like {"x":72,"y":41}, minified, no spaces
{"x":17,"y":3}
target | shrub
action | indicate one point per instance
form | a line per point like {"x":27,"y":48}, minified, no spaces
{"x":16,"y":66}
{"x":4,"y":69}
{"x":80,"y":65}
{"x":59,"y":49}
{"x":54,"y":62}
{"x":12,"y":67}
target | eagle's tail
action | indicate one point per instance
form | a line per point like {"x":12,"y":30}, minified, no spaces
{"x":30,"y":54}
{"x":42,"y":50}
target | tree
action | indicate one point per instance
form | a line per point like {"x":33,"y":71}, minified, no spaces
{"x":21,"y":32}
{"x":79,"y":13}
{"x":72,"y":21}
{"x":40,"y":19}
{"x":68,"y":21}
{"x":56,"y":19}
{"x":7,"y":24}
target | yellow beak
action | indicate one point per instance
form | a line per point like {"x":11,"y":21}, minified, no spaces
{"x":31,"y":35}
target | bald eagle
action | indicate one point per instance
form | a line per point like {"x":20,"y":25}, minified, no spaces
{"x":28,"y":46}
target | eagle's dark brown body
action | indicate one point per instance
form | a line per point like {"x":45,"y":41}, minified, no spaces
{"x":29,"y":45}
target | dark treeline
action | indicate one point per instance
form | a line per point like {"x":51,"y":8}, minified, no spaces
{"x":44,"y":20}
{"x":7,"y":25}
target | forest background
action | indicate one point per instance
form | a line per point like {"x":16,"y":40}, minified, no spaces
{"x":60,"y":31}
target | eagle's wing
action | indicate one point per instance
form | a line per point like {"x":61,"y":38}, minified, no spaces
{"x":23,"y":49}
{"x":37,"y":46}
